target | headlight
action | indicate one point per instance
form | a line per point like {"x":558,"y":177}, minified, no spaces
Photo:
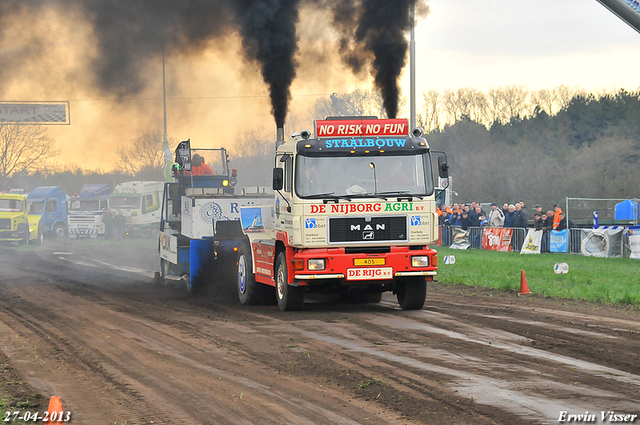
{"x":225,"y":183}
{"x":316,"y":264}
{"x":422,"y":261}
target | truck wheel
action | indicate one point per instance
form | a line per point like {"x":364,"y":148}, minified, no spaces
{"x":59,"y":231}
{"x":250,"y":292}
{"x":289,"y":297}
{"x":411,"y":293}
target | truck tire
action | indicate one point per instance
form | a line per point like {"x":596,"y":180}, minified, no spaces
{"x":289,"y":297}
{"x":250,"y":292}
{"x":411,"y":293}
{"x":59,"y":231}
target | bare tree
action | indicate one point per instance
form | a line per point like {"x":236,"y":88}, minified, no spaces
{"x":496,"y":111}
{"x":145,"y":155}
{"x":256,"y":142}
{"x":546,"y":100}
{"x":515,"y":101}
{"x":23,"y":148}
{"x":431,"y":121}
{"x":465,"y":102}
{"x":355,"y":103}
{"x":564,"y":94}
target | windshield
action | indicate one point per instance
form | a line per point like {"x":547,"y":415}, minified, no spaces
{"x":361,"y":176}
{"x":125,"y":202}
{"x":35,"y":207}
{"x":84,"y":205}
{"x":10,"y":205}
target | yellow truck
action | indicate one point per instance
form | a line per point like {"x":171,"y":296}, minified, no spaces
{"x":14,"y":222}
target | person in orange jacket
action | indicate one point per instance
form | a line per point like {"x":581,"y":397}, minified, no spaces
{"x":556,"y":216}
{"x":199,"y":168}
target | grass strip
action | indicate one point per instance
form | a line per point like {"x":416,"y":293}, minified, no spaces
{"x":605,"y":280}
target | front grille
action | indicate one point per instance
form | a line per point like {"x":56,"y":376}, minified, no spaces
{"x":81,"y":219}
{"x":367,"y":250}
{"x":376,"y":229}
{"x":5,"y":223}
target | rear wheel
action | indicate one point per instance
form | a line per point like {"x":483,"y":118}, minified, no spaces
{"x":249,"y":291}
{"x":411,"y":293}
{"x":289,"y":297}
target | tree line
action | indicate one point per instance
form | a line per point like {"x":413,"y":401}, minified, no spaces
{"x":505,"y":145}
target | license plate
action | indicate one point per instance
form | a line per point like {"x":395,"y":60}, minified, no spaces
{"x":370,"y":273}
{"x":369,"y":262}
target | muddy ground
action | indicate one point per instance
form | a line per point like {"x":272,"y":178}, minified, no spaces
{"x":86,"y":322}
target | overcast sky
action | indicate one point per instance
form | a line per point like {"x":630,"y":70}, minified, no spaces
{"x":542,"y":43}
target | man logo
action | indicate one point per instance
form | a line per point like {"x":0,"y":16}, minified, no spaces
{"x":310,"y":223}
{"x":415,"y":220}
{"x":367,"y":236}
{"x":356,"y":227}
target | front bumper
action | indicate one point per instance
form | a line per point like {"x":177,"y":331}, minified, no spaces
{"x":350,"y":268}
{"x":11,"y":235}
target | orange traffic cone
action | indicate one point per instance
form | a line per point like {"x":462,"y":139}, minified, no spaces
{"x":55,"y":412}
{"x":524,"y":286}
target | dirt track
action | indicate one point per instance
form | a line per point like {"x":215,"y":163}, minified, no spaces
{"x":120,"y":350}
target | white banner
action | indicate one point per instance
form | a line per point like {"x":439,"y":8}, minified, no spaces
{"x":532,"y":242}
{"x":601,"y":242}
{"x":634,"y":244}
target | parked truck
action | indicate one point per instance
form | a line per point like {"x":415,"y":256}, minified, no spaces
{"x":139,"y":203}
{"x":14,"y":221}
{"x":86,"y":211}
{"x":353,"y":213}
{"x":47,"y":209}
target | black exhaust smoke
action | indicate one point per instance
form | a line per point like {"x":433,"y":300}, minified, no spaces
{"x":268,"y":29}
{"x":374,"y":32}
{"x":132,"y":33}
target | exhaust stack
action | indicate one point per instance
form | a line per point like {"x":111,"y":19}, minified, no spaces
{"x":279,"y":136}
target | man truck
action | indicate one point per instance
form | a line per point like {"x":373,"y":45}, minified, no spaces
{"x":353,"y":212}
{"x":87,"y":211}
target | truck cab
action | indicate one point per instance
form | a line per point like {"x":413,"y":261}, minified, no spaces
{"x":14,"y":222}
{"x":87,"y":211}
{"x":47,"y":209}
{"x":139,"y":202}
{"x":354,"y":212}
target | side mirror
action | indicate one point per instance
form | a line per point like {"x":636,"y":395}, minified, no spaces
{"x":278,"y":178}
{"x":443,"y":167}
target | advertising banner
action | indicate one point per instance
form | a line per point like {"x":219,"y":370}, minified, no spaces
{"x":532,"y":242}
{"x":559,"y":240}
{"x":634,"y":244}
{"x":460,"y":238}
{"x":601,"y":242}
{"x":496,"y":239}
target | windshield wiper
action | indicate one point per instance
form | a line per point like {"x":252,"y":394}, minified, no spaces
{"x":369,"y":194}
{"x":403,"y":193}
{"x":328,"y":195}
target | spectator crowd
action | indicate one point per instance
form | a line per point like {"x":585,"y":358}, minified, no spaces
{"x":510,"y":215}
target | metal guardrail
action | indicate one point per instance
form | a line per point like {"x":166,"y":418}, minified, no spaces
{"x":517,"y":238}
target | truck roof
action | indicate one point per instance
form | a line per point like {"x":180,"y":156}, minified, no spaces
{"x":95,"y":191}
{"x":132,"y":187}
{"x":8,"y":195}
{"x":45,"y":192}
